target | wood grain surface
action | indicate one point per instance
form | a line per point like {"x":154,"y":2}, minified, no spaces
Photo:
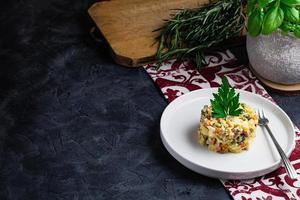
{"x":127,"y":26}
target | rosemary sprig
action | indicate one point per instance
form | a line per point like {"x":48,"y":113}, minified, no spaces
{"x":191,"y":31}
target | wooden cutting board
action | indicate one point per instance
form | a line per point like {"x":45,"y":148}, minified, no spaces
{"x":127,"y":26}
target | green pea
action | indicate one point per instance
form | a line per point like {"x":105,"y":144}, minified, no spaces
{"x":255,"y":22}
{"x":273,"y":19}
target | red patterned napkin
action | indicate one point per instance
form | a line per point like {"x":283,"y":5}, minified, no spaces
{"x":176,"y":78}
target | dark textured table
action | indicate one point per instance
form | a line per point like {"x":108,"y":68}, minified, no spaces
{"x":74,"y":125}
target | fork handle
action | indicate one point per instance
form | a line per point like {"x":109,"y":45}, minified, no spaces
{"x":286,"y":162}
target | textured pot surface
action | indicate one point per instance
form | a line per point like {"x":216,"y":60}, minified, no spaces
{"x":275,"y":57}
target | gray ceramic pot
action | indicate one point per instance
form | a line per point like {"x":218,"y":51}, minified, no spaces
{"x":275,"y":57}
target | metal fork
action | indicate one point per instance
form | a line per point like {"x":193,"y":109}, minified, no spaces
{"x":263,"y":121}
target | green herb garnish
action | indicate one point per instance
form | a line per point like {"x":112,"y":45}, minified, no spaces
{"x":191,"y":31}
{"x":226,"y":101}
{"x":267,"y":16}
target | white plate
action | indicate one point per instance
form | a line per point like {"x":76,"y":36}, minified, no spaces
{"x":179,"y":124}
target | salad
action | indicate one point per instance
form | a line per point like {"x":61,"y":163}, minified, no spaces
{"x":227,"y":125}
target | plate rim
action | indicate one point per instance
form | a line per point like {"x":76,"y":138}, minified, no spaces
{"x":225,"y":173}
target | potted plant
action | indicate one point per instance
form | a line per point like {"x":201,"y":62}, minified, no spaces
{"x":273,"y":27}
{"x":273,"y":43}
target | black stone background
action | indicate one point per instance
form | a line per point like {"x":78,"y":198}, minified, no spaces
{"x":74,"y":125}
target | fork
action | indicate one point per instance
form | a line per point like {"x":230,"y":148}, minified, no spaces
{"x":263,"y":121}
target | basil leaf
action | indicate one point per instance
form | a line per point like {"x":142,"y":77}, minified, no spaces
{"x":264,"y":3}
{"x":290,"y":13}
{"x":273,"y":20}
{"x":287,"y":27}
{"x":255,"y":22}
{"x":291,"y":2}
{"x":250,"y":8}
{"x":297,"y":31}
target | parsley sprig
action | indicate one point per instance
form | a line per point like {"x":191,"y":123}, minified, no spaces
{"x":226,"y":101}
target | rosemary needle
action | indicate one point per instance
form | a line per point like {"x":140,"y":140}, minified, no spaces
{"x":191,"y":31}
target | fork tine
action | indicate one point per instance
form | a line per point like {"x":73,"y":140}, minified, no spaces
{"x":263,"y":114}
{"x":258,"y":113}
